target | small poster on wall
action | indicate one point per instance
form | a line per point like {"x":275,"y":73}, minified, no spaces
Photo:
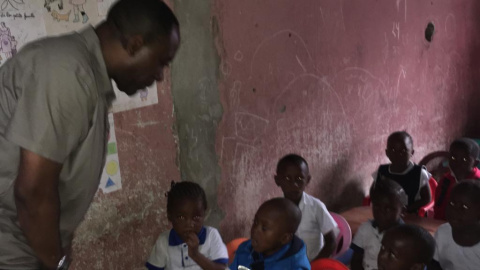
{"x":111,"y":178}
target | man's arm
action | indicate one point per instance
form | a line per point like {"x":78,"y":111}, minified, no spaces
{"x":425,"y":198}
{"x":38,"y":206}
{"x":328,"y":247}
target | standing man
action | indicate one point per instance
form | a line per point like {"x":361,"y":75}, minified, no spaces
{"x":54,"y":99}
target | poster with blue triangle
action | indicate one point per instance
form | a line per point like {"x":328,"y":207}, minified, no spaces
{"x":110,"y":183}
{"x":111,"y":178}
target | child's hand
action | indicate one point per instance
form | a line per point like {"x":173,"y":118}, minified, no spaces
{"x":192,"y":242}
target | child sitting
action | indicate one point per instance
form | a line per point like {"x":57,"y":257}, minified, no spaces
{"x":458,"y":241}
{"x":406,"y":247}
{"x":388,"y":204}
{"x":317,"y":224}
{"x":273,"y":244}
{"x":413,"y":178}
{"x":463,"y":161}
{"x":189,"y":244}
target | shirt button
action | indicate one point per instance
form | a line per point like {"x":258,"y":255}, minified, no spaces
{"x":184,"y":246}
{"x":186,"y":258}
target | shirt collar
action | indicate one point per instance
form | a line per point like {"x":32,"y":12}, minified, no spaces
{"x":104,"y":84}
{"x":174,"y":239}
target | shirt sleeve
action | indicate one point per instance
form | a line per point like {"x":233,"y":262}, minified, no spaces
{"x":358,"y":242}
{"x":327,"y":223}
{"x":158,"y":256}
{"x":53,"y":109}
{"x":424,"y":177}
{"x":218,"y":250}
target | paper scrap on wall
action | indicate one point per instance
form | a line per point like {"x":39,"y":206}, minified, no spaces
{"x":142,"y":98}
{"x":111,"y":178}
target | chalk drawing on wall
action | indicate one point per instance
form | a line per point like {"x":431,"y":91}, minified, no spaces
{"x":111,"y":179}
{"x":249,"y":127}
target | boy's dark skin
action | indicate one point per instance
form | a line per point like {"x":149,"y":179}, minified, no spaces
{"x":387,"y":211}
{"x":461,"y":162}
{"x":399,"y":151}
{"x":400,"y":252}
{"x":293,"y":179}
{"x":187,"y":220}
{"x":274,"y":225}
{"x":463,"y":214}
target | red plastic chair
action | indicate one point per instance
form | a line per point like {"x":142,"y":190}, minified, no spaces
{"x":232,"y":246}
{"x":344,"y":238}
{"x":327,"y":264}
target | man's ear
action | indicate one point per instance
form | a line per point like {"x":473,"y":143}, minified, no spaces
{"x":476,"y":162}
{"x":133,"y":44}
{"x":308,"y":179}
{"x":286,"y":238}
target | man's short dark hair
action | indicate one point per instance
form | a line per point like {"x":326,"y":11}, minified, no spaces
{"x":149,"y":18}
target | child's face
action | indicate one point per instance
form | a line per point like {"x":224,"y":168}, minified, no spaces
{"x":386,"y":211}
{"x":397,"y":253}
{"x":268,"y":231}
{"x":399,"y":150}
{"x":187,"y":217}
{"x":293,"y":179}
{"x":461,"y":163}
{"x":462,"y":211}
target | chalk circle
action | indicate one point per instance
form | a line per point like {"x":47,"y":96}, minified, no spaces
{"x":112,"y":167}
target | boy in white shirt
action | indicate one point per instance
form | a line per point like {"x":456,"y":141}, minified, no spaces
{"x":458,"y":241}
{"x":317,"y":227}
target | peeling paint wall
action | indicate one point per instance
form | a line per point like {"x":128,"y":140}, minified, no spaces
{"x":330,"y":80}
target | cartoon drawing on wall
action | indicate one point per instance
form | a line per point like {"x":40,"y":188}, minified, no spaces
{"x":8,"y":44}
{"x":61,"y":17}
{"x":78,"y":8}
{"x":49,"y":2}
{"x":11,"y":3}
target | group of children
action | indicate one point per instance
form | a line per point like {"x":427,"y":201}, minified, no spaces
{"x":402,"y":187}
{"x":290,"y":232}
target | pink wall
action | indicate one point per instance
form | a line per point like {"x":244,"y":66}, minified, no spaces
{"x":330,"y":80}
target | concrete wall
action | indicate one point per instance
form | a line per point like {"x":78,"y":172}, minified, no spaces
{"x":255,"y":80}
